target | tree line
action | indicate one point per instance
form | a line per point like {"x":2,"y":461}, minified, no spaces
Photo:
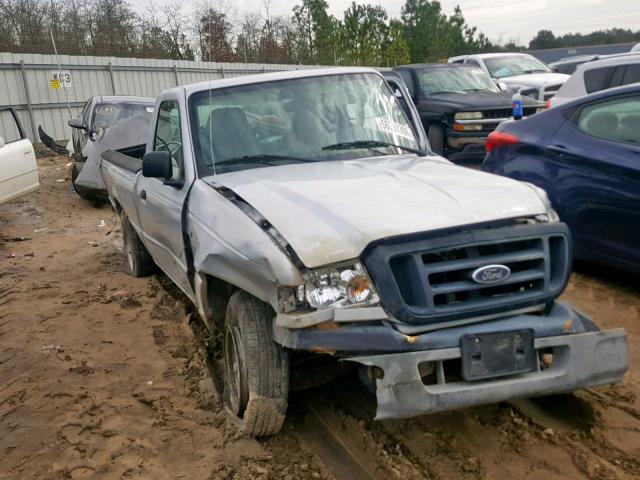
{"x":547,"y":39}
{"x":365,"y":35}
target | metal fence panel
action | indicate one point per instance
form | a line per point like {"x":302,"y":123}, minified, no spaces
{"x":24,"y":83}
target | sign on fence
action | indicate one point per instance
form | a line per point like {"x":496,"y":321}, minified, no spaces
{"x":59,"y":78}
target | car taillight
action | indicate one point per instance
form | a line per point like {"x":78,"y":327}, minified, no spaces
{"x":548,"y":104}
{"x":500,"y":139}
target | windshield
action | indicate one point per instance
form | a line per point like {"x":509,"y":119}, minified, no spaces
{"x":514,"y":65}
{"x":454,"y":79}
{"x":107,"y":114}
{"x":310,"y":119}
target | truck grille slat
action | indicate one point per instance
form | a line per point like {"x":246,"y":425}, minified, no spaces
{"x":466,"y":285}
{"x":507,"y":113}
{"x":431,"y":280}
{"x":484,"y":260}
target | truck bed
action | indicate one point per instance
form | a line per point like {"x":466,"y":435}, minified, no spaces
{"x":120,"y":169}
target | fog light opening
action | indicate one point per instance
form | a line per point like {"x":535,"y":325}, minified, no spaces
{"x":546,"y":358}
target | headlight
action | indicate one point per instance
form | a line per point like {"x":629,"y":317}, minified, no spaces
{"x":468,"y":116}
{"x":337,"y":287}
{"x":551,"y":216}
{"x":529,"y":92}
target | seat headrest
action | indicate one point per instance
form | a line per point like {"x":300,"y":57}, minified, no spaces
{"x":227,"y":118}
{"x":603,"y":124}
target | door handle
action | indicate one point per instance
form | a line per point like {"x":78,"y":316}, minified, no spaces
{"x":143,"y":194}
{"x":561,"y":149}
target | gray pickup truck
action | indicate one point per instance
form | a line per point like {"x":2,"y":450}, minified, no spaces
{"x":305,"y":216}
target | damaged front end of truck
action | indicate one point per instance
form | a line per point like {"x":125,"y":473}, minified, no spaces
{"x":455,"y":318}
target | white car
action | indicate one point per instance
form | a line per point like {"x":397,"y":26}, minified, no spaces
{"x":18,"y":168}
{"x":606,"y":72}
{"x":517,"y":71}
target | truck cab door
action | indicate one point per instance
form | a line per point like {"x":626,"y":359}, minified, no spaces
{"x":18,"y":168}
{"x":160,"y":201}
{"x":401,"y":92}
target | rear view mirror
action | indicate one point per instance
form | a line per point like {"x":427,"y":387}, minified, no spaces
{"x":77,"y":123}
{"x":157,"y":165}
{"x":1,"y":142}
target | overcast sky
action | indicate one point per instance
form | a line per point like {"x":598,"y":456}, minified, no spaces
{"x":506,"y":19}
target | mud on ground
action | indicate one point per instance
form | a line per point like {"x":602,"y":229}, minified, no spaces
{"x":102,"y":376}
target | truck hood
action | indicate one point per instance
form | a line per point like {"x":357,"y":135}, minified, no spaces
{"x":330,"y":211}
{"x":535,"y":79}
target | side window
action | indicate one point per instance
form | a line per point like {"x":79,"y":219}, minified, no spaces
{"x":86,"y":113}
{"x":168,"y":136}
{"x":473,"y":62}
{"x":598,"y":79}
{"x":9,"y":126}
{"x":631,"y":74}
{"x":616,"y":120}
{"x":408,"y":81}
{"x":616,"y":78}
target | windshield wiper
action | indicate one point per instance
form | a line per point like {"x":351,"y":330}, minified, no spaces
{"x":535,"y":70}
{"x":447,"y":91}
{"x":478,"y":90}
{"x":264,"y":158}
{"x":371,"y":144}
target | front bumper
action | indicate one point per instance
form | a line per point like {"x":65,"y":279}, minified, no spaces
{"x":465,"y":146}
{"x":579,"y":361}
{"x":583,"y":356}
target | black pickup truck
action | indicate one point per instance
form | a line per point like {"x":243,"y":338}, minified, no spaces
{"x":459,"y":106}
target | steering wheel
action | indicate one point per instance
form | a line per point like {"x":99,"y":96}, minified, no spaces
{"x":172,"y":147}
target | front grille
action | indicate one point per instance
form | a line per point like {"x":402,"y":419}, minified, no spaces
{"x":507,"y":112}
{"x":430,"y":280}
{"x":551,"y":90}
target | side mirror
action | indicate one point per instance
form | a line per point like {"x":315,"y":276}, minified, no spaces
{"x":157,"y":165}
{"x":77,"y":123}
{"x":503,"y":86}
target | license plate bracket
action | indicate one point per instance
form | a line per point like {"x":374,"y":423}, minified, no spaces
{"x":497,"y":354}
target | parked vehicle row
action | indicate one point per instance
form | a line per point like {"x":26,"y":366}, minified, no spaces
{"x":304,"y":215}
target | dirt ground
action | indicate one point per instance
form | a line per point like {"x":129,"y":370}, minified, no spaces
{"x":102,"y":376}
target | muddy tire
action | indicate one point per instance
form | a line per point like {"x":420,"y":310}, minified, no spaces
{"x":256,"y":369}
{"x":138,"y":261}
{"x":74,"y":173}
{"x":436,"y":139}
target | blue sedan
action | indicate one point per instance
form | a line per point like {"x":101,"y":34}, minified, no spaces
{"x":586,"y":155}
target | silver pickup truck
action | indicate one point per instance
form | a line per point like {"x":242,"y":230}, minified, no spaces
{"x":305,"y":217}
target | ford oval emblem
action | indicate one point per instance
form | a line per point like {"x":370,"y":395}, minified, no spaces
{"x":490,"y":274}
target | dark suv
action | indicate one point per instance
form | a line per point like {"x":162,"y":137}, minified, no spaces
{"x":459,"y":106}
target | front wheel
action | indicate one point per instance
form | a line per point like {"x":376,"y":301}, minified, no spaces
{"x":256,"y":369}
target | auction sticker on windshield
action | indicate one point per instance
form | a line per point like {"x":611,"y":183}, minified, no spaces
{"x":383,"y":124}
